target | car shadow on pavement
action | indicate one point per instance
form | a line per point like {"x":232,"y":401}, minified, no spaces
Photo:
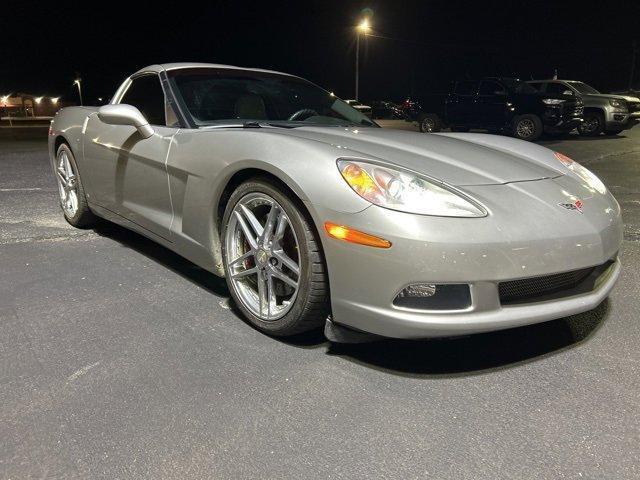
{"x":163,"y":256}
{"x":475,"y":354}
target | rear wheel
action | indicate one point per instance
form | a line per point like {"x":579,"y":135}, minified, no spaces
{"x":430,"y":123}
{"x":593,"y":124}
{"x":71,"y":191}
{"x":273,"y":261}
{"x":527,"y":127}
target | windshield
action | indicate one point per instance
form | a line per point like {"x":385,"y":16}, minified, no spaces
{"x":518,"y":86}
{"x":584,"y":88}
{"x":233,"y":97}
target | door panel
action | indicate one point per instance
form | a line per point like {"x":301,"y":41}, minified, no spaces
{"x":491,"y":106}
{"x":461,"y":104}
{"x":127,"y":174}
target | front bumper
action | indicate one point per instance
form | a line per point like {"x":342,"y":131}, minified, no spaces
{"x":524,"y":236}
{"x":563,"y":118}
{"x":617,"y":120}
{"x":485,"y":315}
{"x":568,"y":124}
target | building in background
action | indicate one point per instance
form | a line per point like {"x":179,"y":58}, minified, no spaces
{"x":25,"y":105}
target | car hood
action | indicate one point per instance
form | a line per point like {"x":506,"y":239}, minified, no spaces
{"x":457,"y":158}
{"x":628,"y":98}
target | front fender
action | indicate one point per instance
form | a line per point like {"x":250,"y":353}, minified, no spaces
{"x":202,"y":162}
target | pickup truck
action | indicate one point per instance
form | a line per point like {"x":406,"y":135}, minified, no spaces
{"x":500,"y":105}
{"x":603,"y":112}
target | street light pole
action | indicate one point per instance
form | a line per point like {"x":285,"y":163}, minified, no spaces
{"x":77,"y":82}
{"x":363,"y":28}
{"x":357,"y":63}
{"x":634,"y":54}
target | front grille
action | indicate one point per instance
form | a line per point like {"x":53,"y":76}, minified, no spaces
{"x":530,"y":289}
{"x":575,"y":108}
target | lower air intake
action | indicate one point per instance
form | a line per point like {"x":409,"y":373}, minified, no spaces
{"x":530,"y":289}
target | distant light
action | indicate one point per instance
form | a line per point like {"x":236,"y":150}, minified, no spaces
{"x":54,"y":100}
{"x":364,"y":26}
{"x":38,"y":99}
{"x":331,"y":94}
{"x":76,"y":81}
{"x":5,"y":98}
{"x":99,"y":99}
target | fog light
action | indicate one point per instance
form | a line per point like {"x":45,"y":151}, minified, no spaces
{"x":418,"y":290}
{"x":428,"y":296}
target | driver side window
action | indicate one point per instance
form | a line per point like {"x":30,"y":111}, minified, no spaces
{"x":558,"y":88}
{"x":490,"y":88}
{"x":146,"y":94}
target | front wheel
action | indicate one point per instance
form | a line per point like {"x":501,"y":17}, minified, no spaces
{"x":273,"y":261}
{"x":593,"y":124}
{"x":527,"y":127}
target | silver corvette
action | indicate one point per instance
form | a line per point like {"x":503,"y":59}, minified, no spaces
{"x":316,"y":216}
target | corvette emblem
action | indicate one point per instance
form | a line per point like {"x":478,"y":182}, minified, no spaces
{"x":576,"y":206}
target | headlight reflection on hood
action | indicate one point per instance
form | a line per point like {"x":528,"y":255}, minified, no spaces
{"x":592,"y":182}
{"x":404,"y":191}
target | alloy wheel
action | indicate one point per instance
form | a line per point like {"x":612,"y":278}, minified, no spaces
{"x":67,"y":184}
{"x":590,"y":124}
{"x":262,"y":256}
{"x":428,"y":125}
{"x":525,"y":128}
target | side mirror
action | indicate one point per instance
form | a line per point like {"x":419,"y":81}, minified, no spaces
{"x":568,"y":92}
{"x":125,"y":115}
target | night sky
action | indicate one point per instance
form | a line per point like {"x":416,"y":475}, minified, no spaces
{"x":46,"y":44}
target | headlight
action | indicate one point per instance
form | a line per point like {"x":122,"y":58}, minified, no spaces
{"x":592,"y":182}
{"x":617,"y":103}
{"x":405,"y":192}
{"x":552,"y":101}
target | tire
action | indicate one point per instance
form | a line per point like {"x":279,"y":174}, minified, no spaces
{"x":593,"y":124}
{"x":307,"y":308}
{"x":456,"y":128}
{"x":429,"y":123}
{"x":613,"y":132}
{"x":527,"y":127}
{"x":73,"y":200}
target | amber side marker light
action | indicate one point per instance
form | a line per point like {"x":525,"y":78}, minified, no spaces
{"x":355,"y":236}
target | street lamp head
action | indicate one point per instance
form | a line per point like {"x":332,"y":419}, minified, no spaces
{"x":364,"y":26}
{"x":76,"y":81}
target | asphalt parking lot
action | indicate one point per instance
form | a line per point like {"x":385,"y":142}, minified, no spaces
{"x":118,"y":359}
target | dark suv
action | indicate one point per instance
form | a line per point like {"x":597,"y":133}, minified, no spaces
{"x":510,"y":105}
{"x":505,"y":105}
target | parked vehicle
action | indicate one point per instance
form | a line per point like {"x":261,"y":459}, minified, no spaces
{"x":386,"y":110}
{"x":603,"y":112}
{"x":428,"y":112}
{"x":364,"y":109}
{"x":501,"y":105}
{"x":308,"y":208}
